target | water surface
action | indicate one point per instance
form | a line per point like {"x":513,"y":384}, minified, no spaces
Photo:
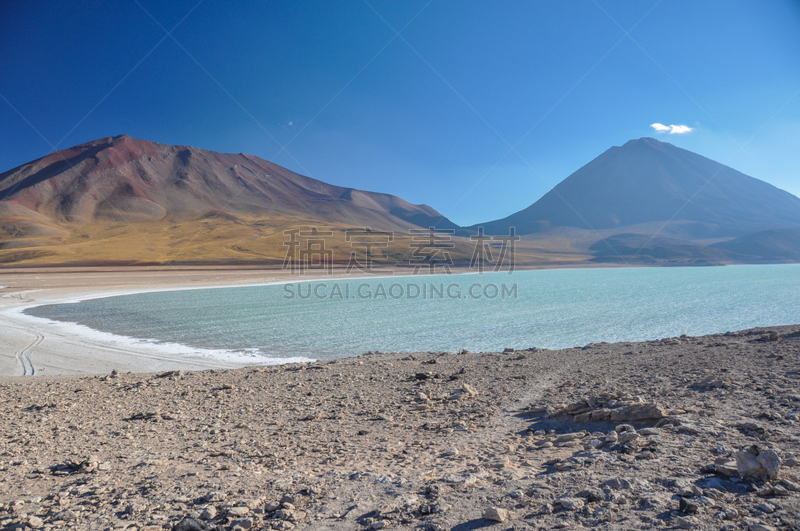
{"x":550,"y":309}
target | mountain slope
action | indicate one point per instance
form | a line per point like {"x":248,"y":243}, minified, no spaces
{"x":766,"y":246}
{"x":648,"y":181}
{"x":129,"y":179}
{"x":121,"y":199}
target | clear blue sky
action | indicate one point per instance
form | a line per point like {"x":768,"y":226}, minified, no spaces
{"x":330,"y":90}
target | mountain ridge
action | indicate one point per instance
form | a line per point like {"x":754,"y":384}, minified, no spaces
{"x":125,"y":176}
{"x":646,"y":181}
{"x":124,"y":200}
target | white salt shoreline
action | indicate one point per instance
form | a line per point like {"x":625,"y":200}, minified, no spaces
{"x":45,"y":347}
{"x":68,"y":348}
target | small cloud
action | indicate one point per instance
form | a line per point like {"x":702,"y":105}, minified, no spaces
{"x":671,"y":129}
{"x":291,"y":124}
{"x":679,"y":129}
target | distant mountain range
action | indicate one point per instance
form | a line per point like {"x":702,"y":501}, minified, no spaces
{"x":124,"y":200}
{"x":651,"y":201}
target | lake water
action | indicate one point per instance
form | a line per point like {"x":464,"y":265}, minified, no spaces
{"x":343,"y":317}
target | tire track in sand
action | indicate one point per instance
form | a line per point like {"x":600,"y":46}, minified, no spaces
{"x":23,"y":356}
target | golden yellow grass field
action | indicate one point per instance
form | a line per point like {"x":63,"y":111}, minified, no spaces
{"x":228,"y":240}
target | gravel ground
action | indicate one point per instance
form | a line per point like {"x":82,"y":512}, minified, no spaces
{"x":682,"y":433}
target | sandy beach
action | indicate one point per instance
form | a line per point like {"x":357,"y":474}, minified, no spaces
{"x":29,"y":346}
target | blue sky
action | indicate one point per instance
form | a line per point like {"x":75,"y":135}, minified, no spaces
{"x":475,"y":108}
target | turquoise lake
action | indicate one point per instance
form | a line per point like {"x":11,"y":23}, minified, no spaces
{"x":344,"y":317}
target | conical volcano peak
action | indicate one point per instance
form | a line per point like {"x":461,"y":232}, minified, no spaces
{"x":647,"y":181}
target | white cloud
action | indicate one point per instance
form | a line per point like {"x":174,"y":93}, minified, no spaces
{"x":671,"y":129}
{"x":679,"y":129}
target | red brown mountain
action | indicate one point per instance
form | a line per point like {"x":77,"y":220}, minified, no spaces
{"x":121,"y":200}
{"x":127,"y":179}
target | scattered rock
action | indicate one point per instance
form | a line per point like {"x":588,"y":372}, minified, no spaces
{"x":756,"y":462}
{"x":236,"y":512}
{"x":571,"y":504}
{"x":190,"y":524}
{"x":592,"y":495}
{"x":466,"y":479}
{"x":617,"y":484}
{"x":766,"y":507}
{"x":688,"y":506}
{"x":208,"y":513}
{"x":564,"y":437}
{"x":638,"y":412}
{"x":650,"y":431}
{"x":496,"y":514}
{"x":243,"y":523}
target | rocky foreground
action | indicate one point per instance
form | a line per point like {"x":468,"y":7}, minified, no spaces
{"x":682,"y":433}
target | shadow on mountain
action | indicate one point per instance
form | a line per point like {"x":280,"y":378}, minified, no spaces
{"x":643,"y":249}
{"x":765,"y":246}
